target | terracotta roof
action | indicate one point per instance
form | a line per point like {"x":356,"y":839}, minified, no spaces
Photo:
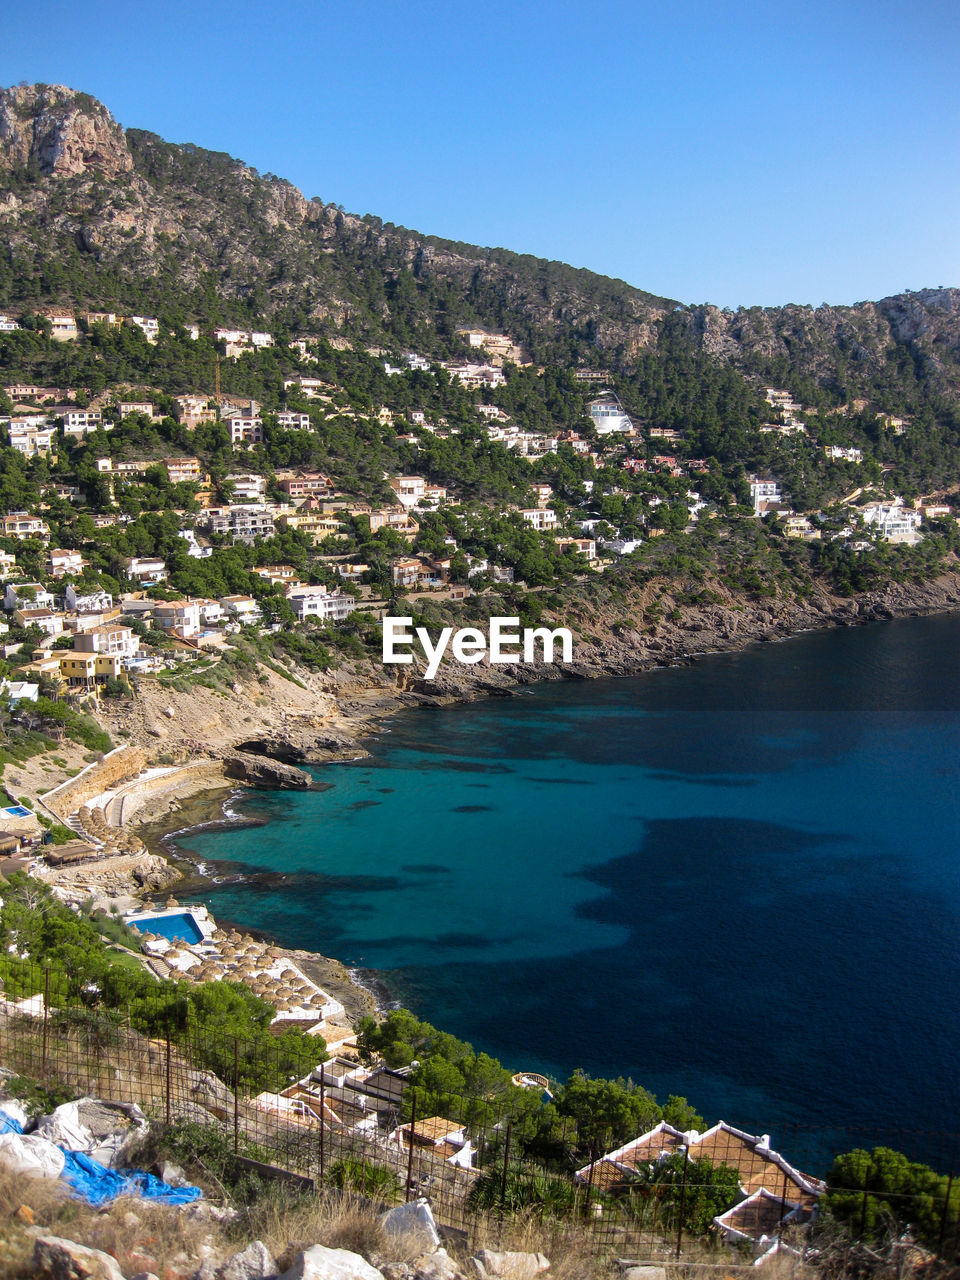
{"x":755,"y":1172}
{"x":433,"y":1129}
{"x":606,"y":1176}
{"x":651,"y":1149}
{"x":760,"y":1215}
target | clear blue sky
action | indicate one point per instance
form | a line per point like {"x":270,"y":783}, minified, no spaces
{"x":737,"y":153}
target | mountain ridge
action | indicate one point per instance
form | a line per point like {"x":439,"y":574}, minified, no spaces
{"x":97,"y":215}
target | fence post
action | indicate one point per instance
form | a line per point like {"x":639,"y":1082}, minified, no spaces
{"x":683,"y":1202}
{"x":236,"y":1096}
{"x":863,"y":1207}
{"x":323,"y":1106}
{"x":506,"y":1165}
{"x":413,"y":1125}
{"x":593,"y":1166}
{"x":168,"y":1071}
{"x":943,"y":1216}
{"x":46,"y":1015}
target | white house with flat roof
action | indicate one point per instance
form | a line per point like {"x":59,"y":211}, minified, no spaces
{"x":893,"y":521}
{"x":319,"y":602}
{"x":81,"y":422}
{"x":543,"y":519}
{"x":87,"y":602}
{"x":149,"y":324}
{"x":27,"y":594}
{"x":764,"y":495}
{"x":31,"y":441}
{"x":608,"y":415}
{"x":148,"y":570}
{"x":242,"y":609}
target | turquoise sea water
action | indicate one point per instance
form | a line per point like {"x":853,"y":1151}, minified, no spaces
{"x":739,"y":881}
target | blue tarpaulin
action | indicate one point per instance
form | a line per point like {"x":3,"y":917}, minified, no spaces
{"x":97,"y":1185}
{"x":9,"y":1124}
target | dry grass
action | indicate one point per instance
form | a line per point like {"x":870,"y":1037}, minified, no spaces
{"x":572,"y":1251}
{"x":140,"y":1236}
{"x":287,"y":1222}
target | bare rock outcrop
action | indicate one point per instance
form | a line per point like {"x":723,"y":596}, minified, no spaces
{"x":261,"y":771}
{"x":61,"y":132}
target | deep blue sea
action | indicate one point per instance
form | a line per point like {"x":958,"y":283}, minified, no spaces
{"x":738,"y":881}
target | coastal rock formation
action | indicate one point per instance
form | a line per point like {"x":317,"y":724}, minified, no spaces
{"x":122,"y":876}
{"x":261,"y":771}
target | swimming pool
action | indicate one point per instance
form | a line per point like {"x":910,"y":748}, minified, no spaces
{"x":181,"y":927}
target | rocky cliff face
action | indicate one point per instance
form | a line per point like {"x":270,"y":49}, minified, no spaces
{"x":60,"y":133}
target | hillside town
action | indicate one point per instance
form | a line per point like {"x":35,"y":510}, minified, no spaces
{"x":615,"y":484}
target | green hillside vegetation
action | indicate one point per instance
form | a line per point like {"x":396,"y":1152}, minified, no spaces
{"x":44,"y":945}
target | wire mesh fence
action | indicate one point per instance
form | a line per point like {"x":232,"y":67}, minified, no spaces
{"x":660,"y":1196}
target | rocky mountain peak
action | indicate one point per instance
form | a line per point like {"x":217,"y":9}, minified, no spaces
{"x":60,"y":132}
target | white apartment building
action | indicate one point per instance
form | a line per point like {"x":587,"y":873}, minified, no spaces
{"x":31,"y":441}
{"x":113,"y":638}
{"x":243,"y":522}
{"x":318,"y":602}
{"x":180,"y":618}
{"x":475,"y":376}
{"x":91,"y":602}
{"x":80,"y":422}
{"x":148,"y":570}
{"x":893,"y":521}
{"x":309,"y":387}
{"x":149,"y":324}
{"x":409,"y":489}
{"x":836,"y":453}
{"x":248,"y":488}
{"x":543,"y":519}
{"x":296,"y":421}
{"x":33,"y":595}
{"x":608,"y":416}
{"x":243,"y":609}
{"x":764,"y":494}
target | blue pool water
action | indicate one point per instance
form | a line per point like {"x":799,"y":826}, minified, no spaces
{"x":178,"y":928}
{"x":738,"y":881}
